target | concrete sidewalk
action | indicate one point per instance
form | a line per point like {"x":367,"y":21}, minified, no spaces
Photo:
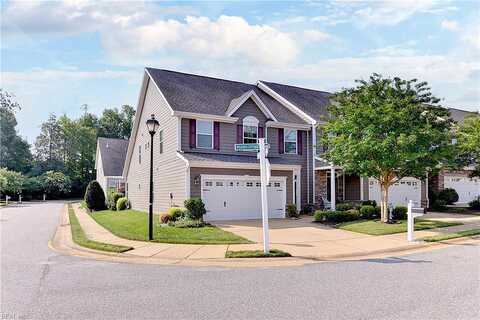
{"x":303,"y":239}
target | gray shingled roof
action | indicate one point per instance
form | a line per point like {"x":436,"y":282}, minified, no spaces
{"x":200,"y":94}
{"x":113,"y":153}
{"x":312,"y":102}
{"x":459,"y":115}
{"x":216,"y":157}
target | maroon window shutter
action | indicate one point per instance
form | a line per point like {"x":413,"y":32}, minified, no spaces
{"x":216,"y":135}
{"x":193,"y":133}
{"x":260,"y":132}
{"x":299,"y":142}
{"x":239,"y":133}
{"x":280,"y":140}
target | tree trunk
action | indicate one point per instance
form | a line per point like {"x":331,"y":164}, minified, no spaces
{"x":384,"y":201}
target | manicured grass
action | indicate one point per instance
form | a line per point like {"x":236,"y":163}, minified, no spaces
{"x":80,"y":238}
{"x":453,"y":235}
{"x":274,"y":253}
{"x":132,"y":224}
{"x":377,"y":228}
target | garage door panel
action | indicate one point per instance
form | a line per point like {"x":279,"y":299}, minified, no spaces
{"x":233,"y":197}
{"x":399,"y":193}
{"x":467,"y":188}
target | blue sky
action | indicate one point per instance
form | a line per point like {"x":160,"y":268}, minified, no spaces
{"x":58,"y":55}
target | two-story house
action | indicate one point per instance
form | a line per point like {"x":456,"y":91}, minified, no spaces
{"x":201,"y":119}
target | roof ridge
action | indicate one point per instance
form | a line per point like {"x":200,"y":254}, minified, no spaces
{"x":297,"y":87}
{"x":201,"y":76}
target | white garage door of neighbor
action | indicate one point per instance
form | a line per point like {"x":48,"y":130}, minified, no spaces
{"x":468,"y":189}
{"x":399,"y":193}
{"x":239,"y":197}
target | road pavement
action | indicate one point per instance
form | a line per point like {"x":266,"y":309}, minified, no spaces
{"x":37,"y":283}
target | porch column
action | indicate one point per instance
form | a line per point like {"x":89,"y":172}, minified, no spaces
{"x":332,"y":188}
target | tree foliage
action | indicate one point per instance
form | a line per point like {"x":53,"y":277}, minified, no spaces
{"x":116,"y":124}
{"x":387,"y":129}
{"x":94,"y":196}
{"x":11,"y":182}
{"x":468,"y":143}
{"x":56,"y":183}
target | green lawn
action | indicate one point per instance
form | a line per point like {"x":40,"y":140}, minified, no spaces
{"x":453,"y":235}
{"x":80,"y":238}
{"x":377,"y":228}
{"x":131,"y":224}
{"x":274,"y":253}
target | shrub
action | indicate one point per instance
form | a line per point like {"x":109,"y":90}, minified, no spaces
{"x":344,"y":206}
{"x":122,"y":203}
{"x":187,"y":223}
{"x":94,"y":196}
{"x":165,"y":218}
{"x":439,"y":205}
{"x":112,"y":198}
{"x":196,"y":208}
{"x":475,"y":204}
{"x":372,"y":203}
{"x":448,"y":195}
{"x":399,"y":213}
{"x":336,"y":216}
{"x":368,"y":212}
{"x":292,"y":210}
{"x":308,"y":209}
{"x":177,"y":213}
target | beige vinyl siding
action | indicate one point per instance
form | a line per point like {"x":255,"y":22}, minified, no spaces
{"x":100,"y":174}
{"x":196,"y":172}
{"x":169,"y":171}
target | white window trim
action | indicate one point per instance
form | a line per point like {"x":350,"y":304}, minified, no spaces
{"x":285,"y":141}
{"x":196,"y":135}
{"x":249,"y":121}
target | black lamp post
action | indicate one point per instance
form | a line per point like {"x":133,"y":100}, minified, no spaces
{"x":152,"y":125}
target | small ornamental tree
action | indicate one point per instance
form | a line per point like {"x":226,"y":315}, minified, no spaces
{"x":387,"y":129}
{"x":94,"y":196}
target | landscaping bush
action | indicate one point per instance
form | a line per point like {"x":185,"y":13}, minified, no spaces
{"x":368,"y":212}
{"x":336,"y":216}
{"x":475,"y":204}
{"x":308,"y":209}
{"x":448,"y":195}
{"x":344,"y":206}
{"x":372,"y":203}
{"x":439,"y":205}
{"x":122,"y":203}
{"x":94,"y":196}
{"x":292,"y":210}
{"x":165,"y":218}
{"x":196,"y":208}
{"x":112,"y":198}
{"x":177,"y":213}
{"x":187,"y":223}
{"x":399,"y":213}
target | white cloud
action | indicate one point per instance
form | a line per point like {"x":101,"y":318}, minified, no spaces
{"x":450,"y":25}
{"x":315,"y":35}
{"x":472,"y":36}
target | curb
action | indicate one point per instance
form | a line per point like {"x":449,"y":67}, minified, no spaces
{"x":62,"y":243}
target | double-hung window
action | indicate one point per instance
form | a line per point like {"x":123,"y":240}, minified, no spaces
{"x":250,"y":130}
{"x":204,"y":134}
{"x":290,"y":140}
{"x":160,"y":137}
{"x":139,"y":154}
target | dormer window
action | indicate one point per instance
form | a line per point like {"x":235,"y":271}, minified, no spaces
{"x":250,"y":129}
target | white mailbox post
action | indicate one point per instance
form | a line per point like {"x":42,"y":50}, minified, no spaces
{"x":412,"y":213}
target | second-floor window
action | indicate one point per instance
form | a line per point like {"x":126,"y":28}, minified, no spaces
{"x":204,"y":134}
{"x":290,"y":141}
{"x":160,"y":137}
{"x":250,"y":129}
{"x":139,"y":154}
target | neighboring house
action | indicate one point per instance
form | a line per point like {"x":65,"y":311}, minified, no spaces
{"x":467,"y":188}
{"x":109,"y":161}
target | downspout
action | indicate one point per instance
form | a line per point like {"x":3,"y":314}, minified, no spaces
{"x":308,"y":171}
{"x":314,"y":154}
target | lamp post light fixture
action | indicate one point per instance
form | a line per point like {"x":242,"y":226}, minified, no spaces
{"x":152,"y":126}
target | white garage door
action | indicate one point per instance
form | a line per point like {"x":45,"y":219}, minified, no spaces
{"x":238,"y":197}
{"x":467,"y":188}
{"x":398,"y":194}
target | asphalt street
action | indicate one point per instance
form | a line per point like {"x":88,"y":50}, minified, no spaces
{"x":37,"y":283}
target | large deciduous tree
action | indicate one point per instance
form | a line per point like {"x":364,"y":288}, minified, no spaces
{"x":387,"y":129}
{"x":468,"y":139}
{"x":116,"y":124}
{"x":15,"y":152}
